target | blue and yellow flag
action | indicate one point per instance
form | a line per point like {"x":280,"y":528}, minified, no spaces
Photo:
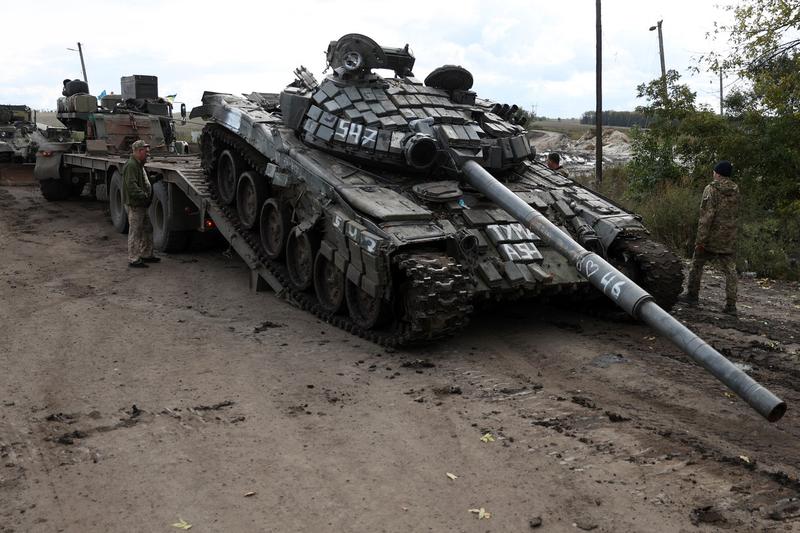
{"x":171,"y":97}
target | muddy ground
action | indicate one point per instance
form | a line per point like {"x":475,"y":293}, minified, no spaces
{"x":132,"y":400}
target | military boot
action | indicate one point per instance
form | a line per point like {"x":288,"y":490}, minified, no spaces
{"x":689,"y":299}
{"x":730,"y":309}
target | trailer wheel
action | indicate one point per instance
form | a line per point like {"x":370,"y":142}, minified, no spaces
{"x":76,"y":189}
{"x":164,"y":239}
{"x":227,"y":174}
{"x":119,"y":213}
{"x":54,"y":190}
{"x":250,"y":195}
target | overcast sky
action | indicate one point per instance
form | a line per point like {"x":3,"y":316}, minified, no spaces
{"x":533,"y":53}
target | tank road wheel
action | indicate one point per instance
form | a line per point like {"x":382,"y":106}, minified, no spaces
{"x":365,"y":310}
{"x":164,"y":239}
{"x":119,"y":213}
{"x":250,"y":195}
{"x":328,"y":284}
{"x":274,"y":227}
{"x":54,"y":190}
{"x":300,"y":251}
{"x":227,"y":174}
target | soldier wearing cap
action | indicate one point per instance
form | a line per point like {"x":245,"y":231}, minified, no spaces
{"x":137,"y":193}
{"x":554,"y":163}
{"x":716,"y":236}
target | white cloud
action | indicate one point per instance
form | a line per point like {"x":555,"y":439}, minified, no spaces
{"x":530,"y":53}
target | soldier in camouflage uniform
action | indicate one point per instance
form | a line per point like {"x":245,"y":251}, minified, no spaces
{"x":716,"y":235}
{"x":137,"y":193}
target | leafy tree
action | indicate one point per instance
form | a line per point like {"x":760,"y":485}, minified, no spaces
{"x":764,"y":49}
{"x":654,"y":156}
{"x":758,"y":134}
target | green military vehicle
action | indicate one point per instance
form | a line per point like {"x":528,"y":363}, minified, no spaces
{"x":18,"y":139}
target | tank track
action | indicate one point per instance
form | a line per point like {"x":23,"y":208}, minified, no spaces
{"x":440,"y":302}
{"x":661,"y":270}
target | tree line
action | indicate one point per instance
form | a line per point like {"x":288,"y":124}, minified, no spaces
{"x":617,"y":118}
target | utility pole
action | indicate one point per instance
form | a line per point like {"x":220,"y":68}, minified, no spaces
{"x":599,"y":108}
{"x":661,"y":53}
{"x":83,"y":65}
{"x":720,"y":91}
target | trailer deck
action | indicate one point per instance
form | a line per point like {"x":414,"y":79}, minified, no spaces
{"x":185,"y":173}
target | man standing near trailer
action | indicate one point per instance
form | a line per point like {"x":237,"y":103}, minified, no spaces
{"x":137,"y":193}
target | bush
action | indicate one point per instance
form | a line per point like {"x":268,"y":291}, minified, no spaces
{"x":768,"y":242}
{"x":670,"y":211}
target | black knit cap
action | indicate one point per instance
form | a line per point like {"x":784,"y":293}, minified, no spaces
{"x":724,"y":168}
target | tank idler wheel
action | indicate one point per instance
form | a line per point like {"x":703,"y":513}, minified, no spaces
{"x":300,"y":251}
{"x":250,"y":195}
{"x":274,"y":227}
{"x":227,"y":173}
{"x":328,"y":285}
{"x":366,"y":311}
{"x":116,"y":206}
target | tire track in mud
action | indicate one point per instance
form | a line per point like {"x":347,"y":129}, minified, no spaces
{"x":715,"y":433}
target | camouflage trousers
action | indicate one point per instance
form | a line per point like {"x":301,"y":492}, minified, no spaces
{"x":726,"y":262}
{"x":140,"y":234}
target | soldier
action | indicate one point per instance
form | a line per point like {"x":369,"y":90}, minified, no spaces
{"x":554,"y":163}
{"x":137,"y":193}
{"x":716,"y":236}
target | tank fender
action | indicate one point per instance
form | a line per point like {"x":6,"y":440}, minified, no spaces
{"x":609,"y":228}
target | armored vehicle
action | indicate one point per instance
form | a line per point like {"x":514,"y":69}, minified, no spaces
{"x":390,"y":206}
{"x":109,"y":128}
{"x":17,"y":134}
{"x":354,"y":188}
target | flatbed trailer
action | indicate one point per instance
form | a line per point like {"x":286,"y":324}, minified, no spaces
{"x":183,"y":202}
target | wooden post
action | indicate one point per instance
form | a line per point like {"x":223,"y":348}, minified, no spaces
{"x":599,"y":107}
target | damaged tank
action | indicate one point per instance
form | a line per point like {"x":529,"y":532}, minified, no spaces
{"x":391,"y":206}
{"x":353,"y":191}
{"x":18,"y":142}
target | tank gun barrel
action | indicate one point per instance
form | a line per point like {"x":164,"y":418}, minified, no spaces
{"x":626,"y":294}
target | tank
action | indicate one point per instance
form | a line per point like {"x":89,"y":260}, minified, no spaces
{"x":18,"y":135}
{"x":390,"y":207}
{"x":354,"y":192}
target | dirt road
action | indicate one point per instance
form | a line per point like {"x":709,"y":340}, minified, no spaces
{"x":132,"y":400}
